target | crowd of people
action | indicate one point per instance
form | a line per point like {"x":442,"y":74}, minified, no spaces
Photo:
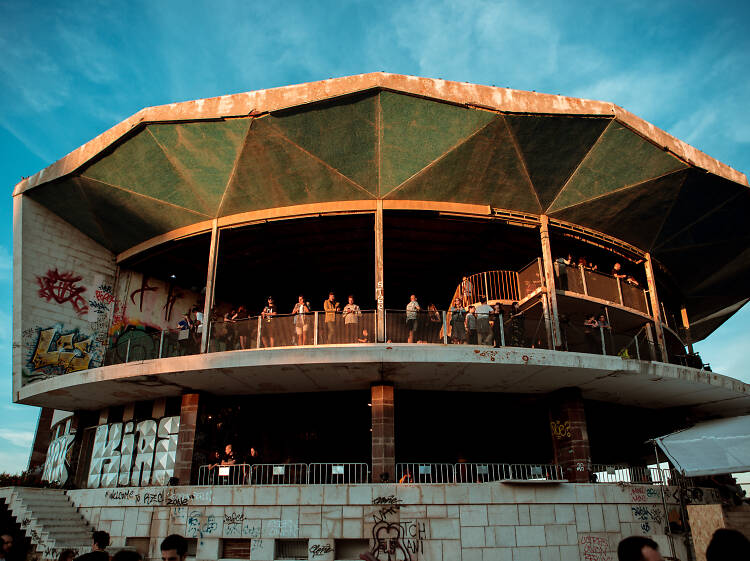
{"x":616,"y":271}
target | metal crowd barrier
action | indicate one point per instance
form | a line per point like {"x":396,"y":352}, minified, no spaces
{"x":285,"y":474}
{"x":602,"y":473}
{"x":476,"y":472}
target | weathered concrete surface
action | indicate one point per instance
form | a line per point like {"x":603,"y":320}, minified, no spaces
{"x":420,"y":367}
{"x":491,"y":98}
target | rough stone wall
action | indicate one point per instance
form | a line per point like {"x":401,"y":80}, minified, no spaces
{"x":63,"y":296}
{"x":468,"y":522}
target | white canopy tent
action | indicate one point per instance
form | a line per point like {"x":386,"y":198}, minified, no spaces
{"x":710,"y":448}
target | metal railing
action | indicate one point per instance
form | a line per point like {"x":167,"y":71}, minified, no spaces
{"x":138,"y":344}
{"x":650,"y":475}
{"x":285,"y":474}
{"x":602,"y":286}
{"x":495,"y":285}
{"x":476,"y":472}
{"x":287,"y":330}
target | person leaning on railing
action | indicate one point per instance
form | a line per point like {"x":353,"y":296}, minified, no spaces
{"x":517,"y":326}
{"x":351,"y":315}
{"x":242,"y":326}
{"x":484,"y":332}
{"x":467,"y":291}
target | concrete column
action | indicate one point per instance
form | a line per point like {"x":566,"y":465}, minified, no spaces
{"x":655,"y":308}
{"x":380,"y":314}
{"x":208,"y":301}
{"x":183,"y":466}
{"x":548,"y":268}
{"x":42,"y":438}
{"x":570,"y":438}
{"x":383,"y":436}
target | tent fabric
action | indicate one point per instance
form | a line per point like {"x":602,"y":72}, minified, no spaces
{"x":710,"y":448}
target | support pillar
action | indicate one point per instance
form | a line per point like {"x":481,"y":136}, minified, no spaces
{"x":655,"y":308}
{"x":548,"y":268}
{"x":183,"y":464}
{"x":208,"y":301}
{"x":570,"y":438}
{"x":383,"y":436}
{"x":42,"y":438}
{"x":380,"y":313}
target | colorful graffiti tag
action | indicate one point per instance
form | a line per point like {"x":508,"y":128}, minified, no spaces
{"x":60,"y":352}
{"x":63,"y":287}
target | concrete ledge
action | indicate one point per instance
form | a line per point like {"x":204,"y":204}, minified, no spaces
{"x":417,"y":367}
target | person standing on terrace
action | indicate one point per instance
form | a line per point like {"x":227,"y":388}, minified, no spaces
{"x":412,"y":313}
{"x":351,"y":320}
{"x":301,"y":325}
{"x":471,"y":325}
{"x":331,"y":307}
{"x":484,"y":331}
{"x":266,"y":330}
{"x":497,"y":320}
{"x":617,"y":271}
{"x":243,"y":326}
{"x":458,"y":328}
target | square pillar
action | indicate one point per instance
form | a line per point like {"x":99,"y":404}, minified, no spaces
{"x":183,"y":465}
{"x":383,"y":437}
{"x":42,"y":439}
{"x":570,"y":438}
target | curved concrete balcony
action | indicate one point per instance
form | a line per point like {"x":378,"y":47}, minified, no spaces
{"x":409,"y":366}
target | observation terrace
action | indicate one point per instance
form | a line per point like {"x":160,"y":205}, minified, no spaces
{"x":381,"y":186}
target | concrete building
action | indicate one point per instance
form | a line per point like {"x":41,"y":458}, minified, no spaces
{"x":375,"y":430}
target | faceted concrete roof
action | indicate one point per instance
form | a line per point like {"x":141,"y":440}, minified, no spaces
{"x":387,"y":136}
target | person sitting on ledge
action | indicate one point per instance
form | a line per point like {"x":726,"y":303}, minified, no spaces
{"x":364,"y":337}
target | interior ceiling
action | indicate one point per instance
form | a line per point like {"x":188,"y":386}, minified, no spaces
{"x":591,"y":171}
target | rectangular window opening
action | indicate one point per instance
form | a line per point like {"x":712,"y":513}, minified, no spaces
{"x":291,"y":549}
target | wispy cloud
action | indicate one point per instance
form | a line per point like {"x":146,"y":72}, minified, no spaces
{"x":17,"y":437}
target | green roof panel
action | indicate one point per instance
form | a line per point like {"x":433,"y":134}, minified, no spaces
{"x":342,"y":133}
{"x":415,"y":132}
{"x":634,"y":214}
{"x":139,"y":164}
{"x":273,"y":171}
{"x":203,"y":153}
{"x":619,"y":158}
{"x":552,"y":147}
{"x":485,"y":169}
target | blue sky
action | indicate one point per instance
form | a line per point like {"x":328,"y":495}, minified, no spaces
{"x":69,"y":71}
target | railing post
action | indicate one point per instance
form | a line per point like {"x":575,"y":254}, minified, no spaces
{"x":501,"y":319}
{"x":583,"y":280}
{"x":637,"y":349}
{"x":127,"y":352}
{"x":161,"y":342}
{"x":260,"y":326}
{"x":315,"y":327}
{"x":619,"y":290}
{"x":445,"y":327}
{"x":547,"y":272}
{"x":486,"y":286}
{"x":213,"y":256}
{"x":655,"y":307}
{"x":604,"y":345}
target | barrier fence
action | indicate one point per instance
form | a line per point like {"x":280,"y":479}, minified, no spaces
{"x":595,"y":284}
{"x":427,"y":473}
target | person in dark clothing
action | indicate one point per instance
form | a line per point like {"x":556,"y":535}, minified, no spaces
{"x":638,"y":548}
{"x":727,"y":544}
{"x":98,"y":548}
{"x":497,"y":318}
{"x":127,"y":555}
{"x":7,"y":553}
{"x":174,"y":548}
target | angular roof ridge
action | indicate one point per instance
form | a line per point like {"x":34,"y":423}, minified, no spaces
{"x":463,"y":93}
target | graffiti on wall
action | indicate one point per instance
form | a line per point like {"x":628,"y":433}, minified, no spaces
{"x":59,"y":351}
{"x":395,"y":539}
{"x":560,"y":430}
{"x":595,"y":548}
{"x":57,"y":463}
{"x":647,"y":516}
{"x":137,"y":454}
{"x":62,"y":288}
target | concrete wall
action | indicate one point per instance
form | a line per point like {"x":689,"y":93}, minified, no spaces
{"x":469,"y":522}
{"x":62,"y":296}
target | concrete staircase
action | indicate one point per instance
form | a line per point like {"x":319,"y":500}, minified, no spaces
{"x":738,"y":518}
{"x":49,"y":519}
